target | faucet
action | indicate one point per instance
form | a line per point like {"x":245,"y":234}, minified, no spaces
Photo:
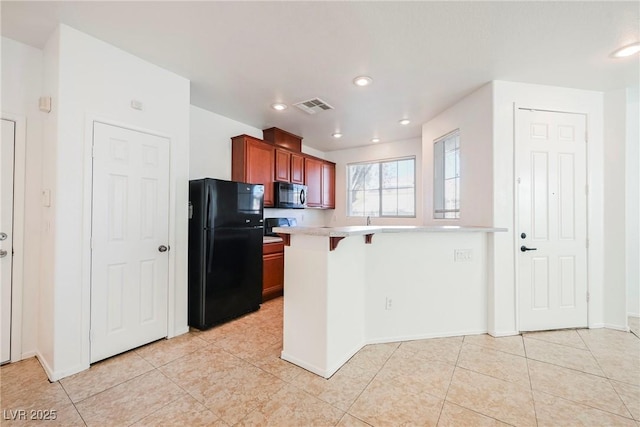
{"x":368,"y":220}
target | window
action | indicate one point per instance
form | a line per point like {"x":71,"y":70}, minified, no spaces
{"x":386,"y":188}
{"x":446,"y":167}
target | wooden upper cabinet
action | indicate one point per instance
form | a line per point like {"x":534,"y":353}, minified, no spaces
{"x":252,"y":161}
{"x":297,"y":168}
{"x":283,"y":139}
{"x":328,"y":185}
{"x":283,"y":165}
{"x":313,"y":180}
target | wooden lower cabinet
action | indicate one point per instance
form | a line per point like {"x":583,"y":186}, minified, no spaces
{"x":272,"y":270}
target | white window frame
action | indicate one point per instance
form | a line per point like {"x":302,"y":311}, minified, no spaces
{"x":439,"y":174}
{"x":379,"y":163}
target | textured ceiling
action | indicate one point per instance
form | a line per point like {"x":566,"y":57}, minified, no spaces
{"x":423,"y":56}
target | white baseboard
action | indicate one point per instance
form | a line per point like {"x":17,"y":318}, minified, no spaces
{"x":179,"y":332}
{"x":499,"y":334}
{"x":58,"y":375}
{"x":46,"y":367}
{"x":633,"y":315}
{"x":27,"y":355}
{"x":383,"y":340}
{"x":309,"y":367}
{"x":616,"y":327}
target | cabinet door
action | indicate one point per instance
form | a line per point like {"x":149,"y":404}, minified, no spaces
{"x":272,"y":270}
{"x":260,"y":167}
{"x":313,"y":179}
{"x":283,"y":159}
{"x":297,"y":169}
{"x":328,"y":185}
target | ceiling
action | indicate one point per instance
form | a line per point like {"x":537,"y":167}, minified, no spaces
{"x":423,"y":56}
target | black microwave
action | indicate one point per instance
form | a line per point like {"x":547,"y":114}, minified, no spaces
{"x":290,"y":196}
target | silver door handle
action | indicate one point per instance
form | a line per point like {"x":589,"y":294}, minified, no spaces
{"x":3,"y":236}
{"x":163,"y":248}
{"x":3,"y":253}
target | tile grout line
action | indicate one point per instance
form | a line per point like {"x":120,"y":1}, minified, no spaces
{"x":480,"y":373}
{"x":609,"y":380}
{"x":73,"y":403}
{"x":368,"y":383}
{"x":453,"y":372}
{"x":174,"y":400}
{"x":114,"y":385}
{"x":533,"y":399}
{"x":586,"y":373}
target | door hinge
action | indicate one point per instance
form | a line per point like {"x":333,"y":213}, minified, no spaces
{"x":518,"y":180}
{"x":587,"y":296}
{"x":586,"y":244}
{"x":93,"y":151}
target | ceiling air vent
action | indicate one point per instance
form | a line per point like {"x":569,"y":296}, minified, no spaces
{"x":313,"y":106}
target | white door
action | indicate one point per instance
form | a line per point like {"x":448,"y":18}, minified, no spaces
{"x":6,"y":234}
{"x":552,"y":220}
{"x":130,"y":234}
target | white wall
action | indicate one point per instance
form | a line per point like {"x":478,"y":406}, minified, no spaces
{"x":473,"y":116}
{"x":432,"y":295}
{"x":632,"y":168}
{"x":98,"y":81}
{"x":210,"y":145}
{"x":21,"y":88}
{"x":210,"y":156}
{"x":389,"y":150}
{"x":614,"y":307}
{"x":46,"y":294}
{"x":507,"y":95}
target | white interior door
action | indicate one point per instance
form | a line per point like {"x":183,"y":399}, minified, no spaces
{"x":7,"y":145}
{"x":130,"y":234}
{"x":552,"y":219}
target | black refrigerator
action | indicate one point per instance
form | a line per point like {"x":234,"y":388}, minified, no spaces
{"x":225,"y":250}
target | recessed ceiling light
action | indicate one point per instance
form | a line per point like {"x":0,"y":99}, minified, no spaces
{"x":627,"y":50}
{"x":279,"y":106}
{"x":337,"y":135}
{"x":375,"y":139}
{"x":404,"y":121}
{"x":362,"y":81}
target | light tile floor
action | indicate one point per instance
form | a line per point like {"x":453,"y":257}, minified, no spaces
{"x":232,"y":375}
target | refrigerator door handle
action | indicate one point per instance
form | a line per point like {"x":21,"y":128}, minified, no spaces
{"x":207,"y":209}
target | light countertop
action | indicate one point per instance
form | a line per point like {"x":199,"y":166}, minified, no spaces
{"x":271,"y":239}
{"x":362,"y":230}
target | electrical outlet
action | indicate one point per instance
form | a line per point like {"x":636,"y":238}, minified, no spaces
{"x":462,"y":255}
{"x":388,"y":303}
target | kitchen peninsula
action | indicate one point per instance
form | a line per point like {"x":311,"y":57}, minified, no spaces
{"x":346,"y":287}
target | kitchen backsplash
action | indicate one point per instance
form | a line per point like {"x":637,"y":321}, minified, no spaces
{"x":306,"y":217}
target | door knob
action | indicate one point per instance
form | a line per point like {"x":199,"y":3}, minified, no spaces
{"x":525,"y":249}
{"x":3,"y":253}
{"x":163,"y":248}
{"x":3,"y":236}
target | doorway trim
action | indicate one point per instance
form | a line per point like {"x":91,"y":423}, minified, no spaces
{"x":17,"y":281}
{"x":90,"y":119}
{"x":517,"y":109}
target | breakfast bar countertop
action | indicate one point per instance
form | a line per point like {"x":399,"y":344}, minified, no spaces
{"x":370,"y":229}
